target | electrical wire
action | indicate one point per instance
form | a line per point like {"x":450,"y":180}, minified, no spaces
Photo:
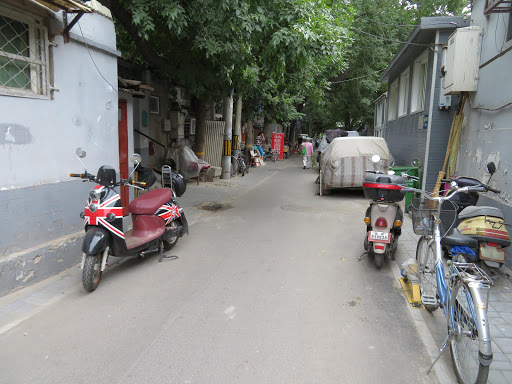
{"x":392,"y":40}
{"x":89,"y":51}
{"x":356,"y":78}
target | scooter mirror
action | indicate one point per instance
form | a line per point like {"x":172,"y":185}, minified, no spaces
{"x":491,"y":167}
{"x":136,"y":158}
{"x":375,"y":158}
{"x":80,"y":152}
{"x":415,"y":163}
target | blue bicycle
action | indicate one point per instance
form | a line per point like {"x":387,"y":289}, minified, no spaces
{"x":462,"y":291}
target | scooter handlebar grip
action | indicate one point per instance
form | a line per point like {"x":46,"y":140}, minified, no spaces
{"x":80,"y":175}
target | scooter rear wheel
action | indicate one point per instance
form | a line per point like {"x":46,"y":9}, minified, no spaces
{"x":91,"y":275}
{"x":378,"y":258}
{"x":171,"y":242}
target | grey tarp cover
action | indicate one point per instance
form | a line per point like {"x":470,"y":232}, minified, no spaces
{"x":187,"y":162}
{"x":345,"y":161}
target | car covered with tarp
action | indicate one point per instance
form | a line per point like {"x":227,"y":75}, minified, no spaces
{"x":345,"y":161}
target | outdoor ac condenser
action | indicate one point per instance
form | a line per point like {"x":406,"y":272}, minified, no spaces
{"x":462,"y":60}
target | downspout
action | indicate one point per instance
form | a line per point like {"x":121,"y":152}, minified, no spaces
{"x":431,"y":110}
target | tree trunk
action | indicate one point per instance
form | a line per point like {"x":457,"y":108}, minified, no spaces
{"x":201,"y":110}
{"x":226,"y":148}
{"x":237,"y":134}
{"x":293,"y":134}
{"x":249,"y":138}
{"x":267,"y":131}
{"x":348,"y":125}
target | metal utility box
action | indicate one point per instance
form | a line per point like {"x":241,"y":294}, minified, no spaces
{"x":462,"y":60}
{"x":177,"y":125}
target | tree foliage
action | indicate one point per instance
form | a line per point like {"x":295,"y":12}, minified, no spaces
{"x":378,"y":28}
{"x":271,"y":51}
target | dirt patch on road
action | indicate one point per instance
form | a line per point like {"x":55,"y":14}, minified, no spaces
{"x":214,"y":207}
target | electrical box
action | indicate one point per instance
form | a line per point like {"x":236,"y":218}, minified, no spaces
{"x":463,"y":60}
{"x":166,"y":126}
{"x":445,"y":101}
{"x":192,"y":126}
{"x":177,"y":125}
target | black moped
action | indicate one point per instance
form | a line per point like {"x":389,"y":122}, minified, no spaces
{"x":158,"y":222}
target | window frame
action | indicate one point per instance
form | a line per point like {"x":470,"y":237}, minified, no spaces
{"x":393,"y":100}
{"x":418,"y":97}
{"x":40,"y":87}
{"x":403,"y":93}
{"x":509,"y":29}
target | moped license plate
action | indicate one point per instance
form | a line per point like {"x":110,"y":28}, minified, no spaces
{"x":380,"y":237}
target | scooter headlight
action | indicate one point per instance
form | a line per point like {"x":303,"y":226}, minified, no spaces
{"x":93,"y":207}
{"x":95,"y":194}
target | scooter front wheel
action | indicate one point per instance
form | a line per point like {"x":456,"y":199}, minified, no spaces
{"x":91,"y":275}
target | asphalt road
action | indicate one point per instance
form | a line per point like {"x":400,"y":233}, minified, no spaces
{"x":267,"y":290}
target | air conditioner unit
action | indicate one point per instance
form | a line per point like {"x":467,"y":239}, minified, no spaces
{"x":192,"y":126}
{"x":463,"y":60}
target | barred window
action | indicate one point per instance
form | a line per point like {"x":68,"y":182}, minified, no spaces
{"x":24,"y":55}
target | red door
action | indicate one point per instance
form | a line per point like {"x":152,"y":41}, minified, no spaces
{"x":123,"y":152}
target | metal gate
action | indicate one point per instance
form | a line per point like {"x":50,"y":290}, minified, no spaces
{"x":214,"y":141}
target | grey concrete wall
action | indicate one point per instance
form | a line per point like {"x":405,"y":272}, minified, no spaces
{"x":487,"y":135}
{"x":407,"y":142}
{"x":39,"y":205}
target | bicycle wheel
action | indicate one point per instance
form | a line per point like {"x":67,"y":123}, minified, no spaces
{"x":426,"y":258}
{"x":464,"y":346}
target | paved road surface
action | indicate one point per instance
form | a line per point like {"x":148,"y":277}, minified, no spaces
{"x":267,"y":290}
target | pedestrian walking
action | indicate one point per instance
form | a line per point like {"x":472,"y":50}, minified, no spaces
{"x":307,"y":152}
{"x":260,"y":139}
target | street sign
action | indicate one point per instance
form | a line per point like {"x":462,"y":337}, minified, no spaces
{"x":278,"y":143}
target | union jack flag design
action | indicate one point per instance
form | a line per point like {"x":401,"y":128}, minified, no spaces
{"x":168,"y":212}
{"x":99,"y":216}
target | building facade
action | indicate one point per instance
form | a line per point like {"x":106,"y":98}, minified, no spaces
{"x":58,"y":91}
{"x":418,"y":115}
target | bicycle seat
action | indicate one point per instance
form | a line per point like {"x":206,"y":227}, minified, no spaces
{"x":455,"y":237}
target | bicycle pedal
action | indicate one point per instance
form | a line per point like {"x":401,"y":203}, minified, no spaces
{"x":428,"y":300}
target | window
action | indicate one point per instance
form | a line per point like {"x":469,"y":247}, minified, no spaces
{"x":393,"y":95}
{"x":403,"y":97}
{"x":154,"y":105}
{"x":23,"y":55}
{"x":509,"y":32}
{"x":419,"y":82}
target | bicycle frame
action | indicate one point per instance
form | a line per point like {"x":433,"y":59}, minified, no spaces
{"x":479,"y":288}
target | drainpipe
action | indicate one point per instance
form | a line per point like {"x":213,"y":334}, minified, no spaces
{"x":431,"y":110}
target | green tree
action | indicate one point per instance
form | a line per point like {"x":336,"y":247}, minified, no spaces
{"x":378,"y":29}
{"x":271,"y":51}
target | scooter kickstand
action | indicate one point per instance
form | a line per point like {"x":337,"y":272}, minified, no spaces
{"x":443,"y":347}
{"x":359,"y":258}
{"x":162,"y":256}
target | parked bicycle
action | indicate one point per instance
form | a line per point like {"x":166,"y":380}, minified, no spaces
{"x":271,"y":154}
{"x":238,"y":165}
{"x":462,"y":292}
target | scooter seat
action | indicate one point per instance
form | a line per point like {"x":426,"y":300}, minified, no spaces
{"x":149,"y":202}
{"x":474,"y":211}
{"x":455,"y":237}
